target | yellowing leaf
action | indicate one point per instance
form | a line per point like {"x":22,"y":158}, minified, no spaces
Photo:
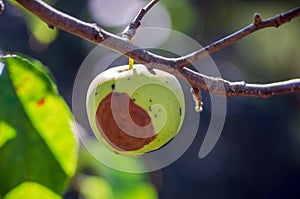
{"x":37,"y":142}
{"x":31,"y":190}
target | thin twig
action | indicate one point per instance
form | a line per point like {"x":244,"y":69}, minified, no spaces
{"x":218,"y":86}
{"x":257,"y":24}
{"x":196,"y":93}
{"x":131,"y":29}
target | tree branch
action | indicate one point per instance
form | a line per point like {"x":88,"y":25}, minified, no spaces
{"x":130,"y":30}
{"x":176,"y":66}
{"x":90,"y":32}
{"x":257,"y":24}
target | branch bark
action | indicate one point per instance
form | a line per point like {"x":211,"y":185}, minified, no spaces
{"x":176,"y":66}
{"x":131,"y":29}
{"x":257,"y":24}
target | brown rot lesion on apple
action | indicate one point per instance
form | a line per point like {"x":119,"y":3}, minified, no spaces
{"x":111,"y":129}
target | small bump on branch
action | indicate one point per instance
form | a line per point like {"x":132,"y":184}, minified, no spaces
{"x":257,"y":18}
{"x":50,"y":26}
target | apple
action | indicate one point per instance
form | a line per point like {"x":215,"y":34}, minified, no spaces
{"x":133,"y":111}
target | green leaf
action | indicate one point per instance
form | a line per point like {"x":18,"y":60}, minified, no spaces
{"x":37,"y":143}
{"x":124,"y":185}
{"x":139,"y":191}
{"x":38,"y":28}
{"x":88,"y":185}
{"x":31,"y":190}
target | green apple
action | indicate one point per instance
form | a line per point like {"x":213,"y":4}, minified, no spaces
{"x":133,"y":111}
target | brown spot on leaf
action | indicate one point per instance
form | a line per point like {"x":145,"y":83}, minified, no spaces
{"x":115,"y":135}
{"x":41,"y":102}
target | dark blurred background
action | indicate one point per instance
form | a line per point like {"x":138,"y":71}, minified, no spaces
{"x":258,"y":153}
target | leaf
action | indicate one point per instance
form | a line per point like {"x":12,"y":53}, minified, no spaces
{"x":88,"y":185}
{"x":140,"y":191}
{"x":124,"y":185}
{"x":31,"y":190}
{"x":36,"y":140}
{"x":38,"y":28}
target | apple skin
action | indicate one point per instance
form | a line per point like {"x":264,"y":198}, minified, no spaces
{"x":133,"y":111}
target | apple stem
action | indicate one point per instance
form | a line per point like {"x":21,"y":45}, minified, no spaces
{"x":131,"y":62}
